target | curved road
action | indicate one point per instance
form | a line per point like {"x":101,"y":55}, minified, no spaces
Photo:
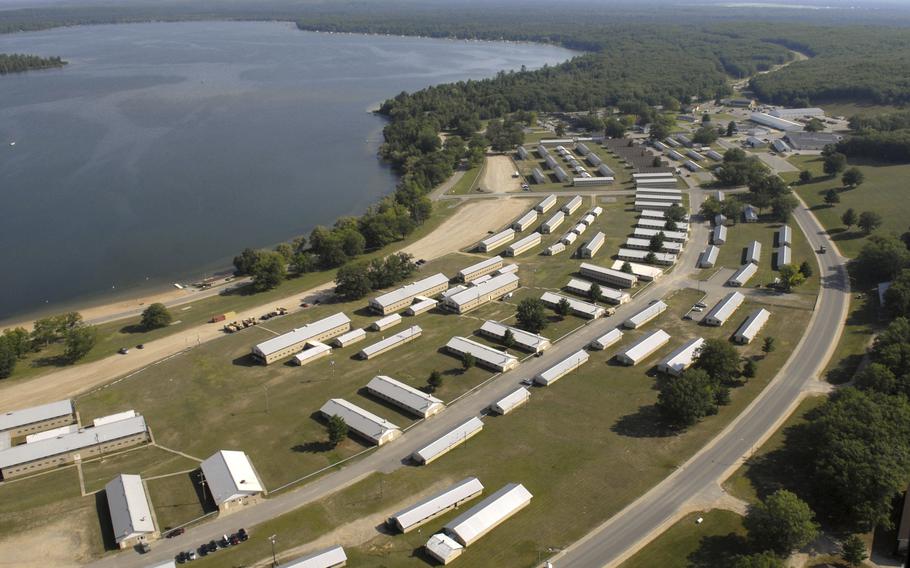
{"x":647,"y":517}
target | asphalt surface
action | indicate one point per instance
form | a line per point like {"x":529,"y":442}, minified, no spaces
{"x":610,"y":544}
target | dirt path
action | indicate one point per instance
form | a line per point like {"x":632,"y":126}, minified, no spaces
{"x":497,"y":176}
{"x":467,"y":226}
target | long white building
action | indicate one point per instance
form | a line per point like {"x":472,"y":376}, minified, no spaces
{"x":646,"y":315}
{"x":523,"y":245}
{"x":350,"y":338}
{"x":682,"y":358}
{"x":608,"y":339}
{"x":130,"y":510}
{"x":644,"y":347}
{"x":643,"y":272}
{"x":525,"y":220}
{"x":511,"y":401}
{"x":501,"y":238}
{"x":722,"y":310}
{"x":312,"y":351}
{"x":637,"y":255}
{"x":572,"y":205}
{"x":743,"y":274}
{"x":448,"y":441}
{"x":593,"y":245}
{"x":608,"y":275}
{"x":230,"y":478}
{"x":784,"y":256}
{"x":391,"y":342}
{"x":27,"y":421}
{"x":708,"y":257}
{"x":719,"y":235}
{"x":399,"y":299}
{"x":775,"y":122}
{"x":546,"y":204}
{"x":289,"y":343}
{"x":578,"y":308}
{"x":485,"y":356}
{"x":675,"y":236}
{"x":753,"y":252}
{"x":479,"y":269}
{"x":785,"y":236}
{"x":561,"y":369}
{"x":473,"y":524}
{"x":333,"y":557}
{"x":524,"y":340}
{"x":436,"y":505}
{"x":550,"y":224}
{"x":753,"y":324}
{"x":611,"y":295}
{"x":476,"y":296}
{"x":405,"y":396}
{"x":364,"y":423}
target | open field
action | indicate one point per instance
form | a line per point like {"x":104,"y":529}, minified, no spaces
{"x":686,"y":544}
{"x":883,"y":192}
{"x":147,"y":461}
{"x":496,"y":176}
{"x":850,"y":109}
{"x":862,"y":323}
{"x":176,"y":499}
{"x":467,"y":183}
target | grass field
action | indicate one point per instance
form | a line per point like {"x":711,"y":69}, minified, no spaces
{"x":850,"y":109}
{"x":861,"y":325}
{"x":623,"y":173}
{"x":687,"y":544}
{"x":176,"y":500}
{"x":127,"y":332}
{"x":147,"y":461}
{"x":882,"y":192}
{"x":467,"y":183}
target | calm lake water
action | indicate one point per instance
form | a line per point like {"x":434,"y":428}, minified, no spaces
{"x":162,"y":150}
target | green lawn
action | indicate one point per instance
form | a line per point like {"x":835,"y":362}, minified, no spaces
{"x":862,"y":323}
{"x":176,"y":500}
{"x":687,"y":544}
{"x":850,"y":109}
{"x":882,"y":192}
{"x":467,"y":183}
{"x":147,"y":461}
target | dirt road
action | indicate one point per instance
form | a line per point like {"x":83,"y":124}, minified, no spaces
{"x":497,"y":176}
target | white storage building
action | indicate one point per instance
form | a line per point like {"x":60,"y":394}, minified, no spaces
{"x":675,"y":236}
{"x":479,"y":269}
{"x":448,"y":441}
{"x":753,"y":324}
{"x":553,"y":222}
{"x":333,"y":557}
{"x":443,"y":548}
{"x":538,"y":176}
{"x":405,"y":396}
{"x":476,"y":296}
{"x":593,"y":245}
{"x":646,"y":315}
{"x":524,"y":245}
{"x":524,"y":340}
{"x":579,"y":308}
{"x":386,"y":322}
{"x":39,"y":418}
{"x":350,"y":337}
{"x":635,"y":255}
{"x":708,"y":257}
{"x":131,"y":512}
{"x":401,"y":298}
{"x":785,"y":236}
{"x":312,"y":351}
{"x":364,"y":423}
{"x":607,"y":294}
{"x":719,"y":235}
{"x":499,"y":239}
{"x":390,"y":343}
{"x":783,"y":256}
{"x":743,"y":274}
{"x":753,"y":252}
{"x":116,"y":417}
{"x":561,"y":369}
{"x":485,"y":356}
{"x":568,"y":238}
{"x":579,"y":228}
{"x":643,"y":272}
{"x":682,"y":358}
{"x":572,"y":205}
{"x":511,"y":401}
{"x":428,"y":509}
{"x":470,"y":526}
{"x":608,"y":275}
{"x":555,"y":249}
{"x":775,"y":122}
{"x":293,"y":341}
{"x":644,"y":347}
{"x":421,"y":305}
{"x":230,"y":478}
{"x":525,"y":220}
{"x":722,"y":310}
{"x":546,"y":204}
{"x":607,"y":340}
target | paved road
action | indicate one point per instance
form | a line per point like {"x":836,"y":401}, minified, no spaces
{"x":644,"y":519}
{"x":392,"y":456}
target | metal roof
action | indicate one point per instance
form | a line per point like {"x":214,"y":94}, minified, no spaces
{"x":229,"y":473}
{"x":646,"y":233}
{"x":647,"y":314}
{"x":594,"y":271}
{"x":639,"y":270}
{"x":645,"y":243}
{"x":573,"y":204}
{"x":482,"y":289}
{"x":327,"y":558}
{"x":645,"y":346}
{"x":513,"y":399}
{"x":443,"y":547}
{"x":482,"y":353}
{"x":608,"y":339}
{"x":528,"y":241}
{"x":314,"y":349}
{"x":404,"y":395}
{"x":495,"y":261}
{"x":414,"y":289}
{"x":785,"y":235}
{"x":546,"y":203}
{"x":435,"y":504}
{"x":495,"y":240}
{"x":359,"y":420}
{"x":528,"y":217}
{"x":72,"y":442}
{"x":384,"y":344}
{"x":449,"y":440}
{"x":753,"y":252}
{"x":526,"y":339}
{"x":301,"y":334}
{"x":577,"y":306}
{"x":129,"y":507}
{"x":743,"y":274}
{"x":486,"y":515}
{"x":683,"y":357}
{"x":101,"y":420}
{"x":16,"y":418}
{"x":562,"y":368}
{"x":723,"y":309}
{"x":351,"y":336}
{"x":750,"y":328}
{"x":636,"y":254}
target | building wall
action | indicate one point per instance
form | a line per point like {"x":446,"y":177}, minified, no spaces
{"x":42,"y":425}
{"x":297,"y":347}
{"x":479,"y":301}
{"x":63,"y":459}
{"x":405,"y":302}
{"x":481,"y":272}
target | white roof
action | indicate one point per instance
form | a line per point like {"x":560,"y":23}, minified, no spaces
{"x":353,"y":335}
{"x":752,"y":325}
{"x":593,"y":270}
{"x":569,"y":238}
{"x":608,"y":339}
{"x":229,"y":473}
{"x":300,"y":334}
{"x":101,"y":420}
{"x":719,"y":233}
{"x":644,"y":243}
{"x":482,"y":289}
{"x":449,"y":440}
{"x":573,"y":203}
{"x":361,"y":421}
{"x":547,"y":202}
{"x":723,"y":309}
{"x":129,"y":507}
{"x":495,"y":261}
{"x":647,"y":314}
{"x":753,"y":252}
{"x":327,"y":558}
{"x":16,"y":418}
{"x":560,"y":369}
{"x":639,"y":270}
{"x":481,"y":352}
{"x":404,"y":395}
{"x":556,"y":219}
{"x":646,"y":345}
{"x":528,"y":217}
{"x":422,"y":510}
{"x":443,"y":547}
{"x":709,"y":256}
{"x":597,"y":211}
{"x":744,"y":273}
{"x":660,"y":224}
{"x":393,"y":340}
{"x":388,"y":320}
{"x":645,"y":233}
{"x":525,"y":339}
{"x":785,"y":235}
{"x":422,"y":305}
{"x":783,"y":255}
{"x":596,"y":241}
{"x":165,"y":564}
{"x":480,"y":519}
{"x":513,"y":399}
{"x":71,"y":442}
{"x":683,"y":357}
{"x":638,"y":254}
{"x":646,"y":175}
{"x":43,"y":435}
{"x":508,"y":268}
{"x":313,"y":350}
{"x":530,"y":240}
{"x":411,"y":290}
{"x":585,"y":308}
{"x":454,"y":290}
{"x":652,"y":214}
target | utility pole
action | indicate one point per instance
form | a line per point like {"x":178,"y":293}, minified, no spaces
{"x":272,"y":539}
{"x":266,"y":387}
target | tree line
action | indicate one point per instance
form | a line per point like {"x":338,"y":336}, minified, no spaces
{"x":19,"y":62}
{"x":67,"y":329}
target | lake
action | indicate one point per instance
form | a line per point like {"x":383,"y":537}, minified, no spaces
{"x":163,"y":149}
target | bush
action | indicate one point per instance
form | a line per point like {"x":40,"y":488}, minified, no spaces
{"x":155,"y":316}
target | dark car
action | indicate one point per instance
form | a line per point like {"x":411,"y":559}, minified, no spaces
{"x":213,"y":546}
{"x":123,"y":351}
{"x":234,"y":540}
{"x":243,"y":535}
{"x":175,"y":532}
{"x":203,"y":550}
{"x":180,"y":558}
{"x":140,"y":346}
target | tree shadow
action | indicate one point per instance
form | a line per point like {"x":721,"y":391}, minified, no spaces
{"x":133,"y":328}
{"x":312,"y":447}
{"x":846,"y":235}
{"x":718,"y":550}
{"x":785,"y":467}
{"x":645,"y":423}
{"x":51,"y":361}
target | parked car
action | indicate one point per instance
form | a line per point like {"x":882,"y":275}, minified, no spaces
{"x":175,"y":532}
{"x":242,"y":534}
{"x":123,"y":351}
{"x":212,"y":546}
{"x":191,"y":555}
{"x":701,"y":305}
{"x":140,"y":346}
{"x":180,"y":558}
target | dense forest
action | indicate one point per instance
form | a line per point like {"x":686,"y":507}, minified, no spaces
{"x":17,"y":62}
